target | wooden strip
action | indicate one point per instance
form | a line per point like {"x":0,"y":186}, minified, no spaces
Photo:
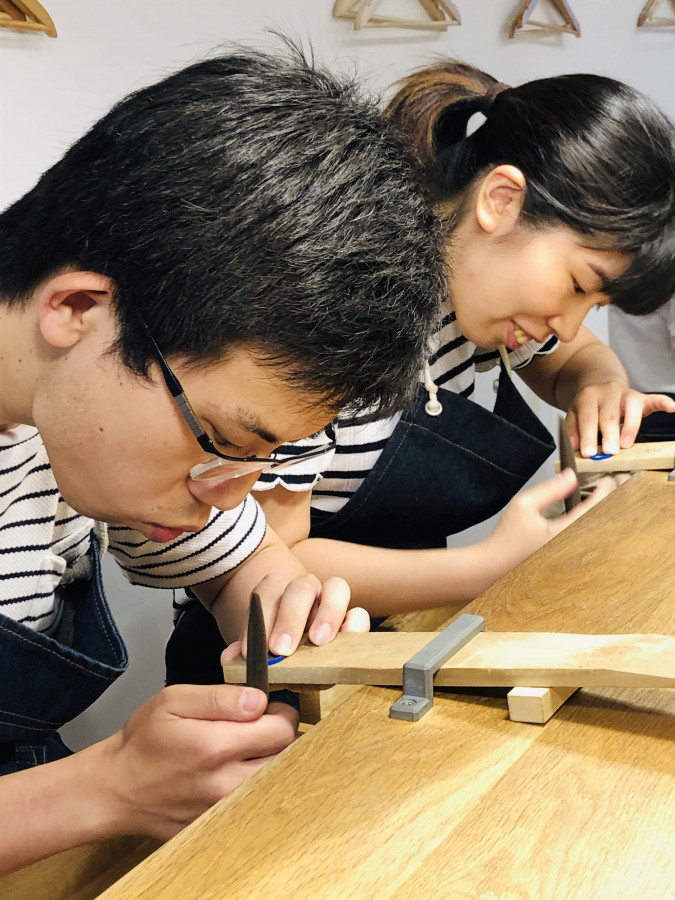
{"x":491,"y":659}
{"x":639,"y":457}
{"x":536,"y":705}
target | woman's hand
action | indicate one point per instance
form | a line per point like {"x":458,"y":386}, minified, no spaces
{"x":612,"y":411}
{"x":523,"y":528}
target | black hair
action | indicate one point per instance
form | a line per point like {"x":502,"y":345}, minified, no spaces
{"x":597,"y":156}
{"x":249,"y":199}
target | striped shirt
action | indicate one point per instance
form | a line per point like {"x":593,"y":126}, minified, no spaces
{"x":335,"y":477}
{"x":44,"y":541}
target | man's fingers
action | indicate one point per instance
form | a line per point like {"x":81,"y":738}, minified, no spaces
{"x":330,"y":613}
{"x":294,"y":610}
{"x":228,"y":702}
{"x":232,"y":651}
{"x":357,"y":619}
{"x":266,"y":736}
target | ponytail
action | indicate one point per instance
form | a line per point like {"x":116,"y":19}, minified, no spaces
{"x":598,"y":157}
{"x":433,"y":107}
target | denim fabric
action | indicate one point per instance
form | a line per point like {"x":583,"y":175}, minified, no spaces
{"x":45,"y":681}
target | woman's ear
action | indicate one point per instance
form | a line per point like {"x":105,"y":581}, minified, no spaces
{"x":500,"y":199}
{"x":70,"y":305}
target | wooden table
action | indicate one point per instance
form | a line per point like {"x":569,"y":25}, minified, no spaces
{"x":466,"y":803}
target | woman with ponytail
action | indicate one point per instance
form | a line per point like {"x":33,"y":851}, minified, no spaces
{"x":563,"y":198}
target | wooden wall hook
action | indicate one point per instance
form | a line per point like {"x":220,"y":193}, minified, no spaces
{"x":647,"y":17}
{"x":522,"y":18}
{"x":440,"y":14}
{"x":26,"y":15}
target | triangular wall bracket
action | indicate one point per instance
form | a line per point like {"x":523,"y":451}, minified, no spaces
{"x":522,"y":18}
{"x":26,"y":15}
{"x":647,"y":18}
{"x":440,"y":15}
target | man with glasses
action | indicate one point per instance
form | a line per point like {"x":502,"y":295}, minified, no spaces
{"x":249,"y":234}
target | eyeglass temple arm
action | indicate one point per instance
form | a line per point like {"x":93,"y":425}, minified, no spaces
{"x":176,"y":390}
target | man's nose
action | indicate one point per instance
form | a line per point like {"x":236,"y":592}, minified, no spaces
{"x":222,"y":494}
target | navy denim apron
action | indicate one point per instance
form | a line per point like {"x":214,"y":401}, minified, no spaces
{"x":45,"y":681}
{"x":436,"y":476}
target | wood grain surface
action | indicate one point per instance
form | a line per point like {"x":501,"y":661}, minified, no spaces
{"x":465,"y":803}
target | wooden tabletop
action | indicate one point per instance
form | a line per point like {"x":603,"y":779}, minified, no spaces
{"x":466,"y":803}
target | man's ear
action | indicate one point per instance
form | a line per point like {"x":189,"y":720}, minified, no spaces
{"x":500,"y":200}
{"x":71,"y":304}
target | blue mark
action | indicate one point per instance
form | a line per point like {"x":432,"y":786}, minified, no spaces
{"x":601,"y":456}
{"x":273,"y":660}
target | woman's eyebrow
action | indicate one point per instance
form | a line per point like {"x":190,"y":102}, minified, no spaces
{"x":605,"y":279}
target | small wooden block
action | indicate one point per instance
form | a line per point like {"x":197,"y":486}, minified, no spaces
{"x":310,"y":706}
{"x":536,"y":705}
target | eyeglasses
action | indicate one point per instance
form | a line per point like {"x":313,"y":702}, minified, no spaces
{"x":221,"y":467}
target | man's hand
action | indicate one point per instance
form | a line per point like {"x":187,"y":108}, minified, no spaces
{"x":613,"y":411}
{"x":185,"y":749}
{"x":303,"y":604}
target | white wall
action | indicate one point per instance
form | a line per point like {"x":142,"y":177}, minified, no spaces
{"x":51,"y":90}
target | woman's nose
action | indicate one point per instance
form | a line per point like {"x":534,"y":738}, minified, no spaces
{"x":566,"y":326}
{"x":222,"y":494}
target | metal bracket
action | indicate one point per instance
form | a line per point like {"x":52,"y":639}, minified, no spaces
{"x":419,"y":671}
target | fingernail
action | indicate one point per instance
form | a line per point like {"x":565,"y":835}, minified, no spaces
{"x":283,"y":644}
{"x":611,"y":447}
{"x":590,"y":450}
{"x":322,"y":634}
{"x":249,"y":700}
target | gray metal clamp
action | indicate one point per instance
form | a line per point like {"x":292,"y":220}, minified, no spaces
{"x":419,"y":671}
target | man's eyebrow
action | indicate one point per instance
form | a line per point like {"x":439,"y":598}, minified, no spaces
{"x":250,"y":422}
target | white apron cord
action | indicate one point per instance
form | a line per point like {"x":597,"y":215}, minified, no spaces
{"x":433,"y":406}
{"x":505,"y":359}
